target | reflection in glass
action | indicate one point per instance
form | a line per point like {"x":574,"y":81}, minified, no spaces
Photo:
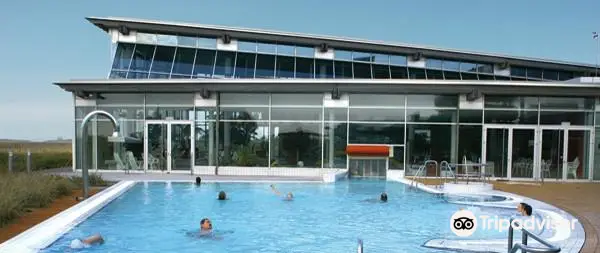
{"x":265,"y":66}
{"x":224,"y":65}
{"x":518,"y":71}
{"x":577,"y":157}
{"x":451,"y":65}
{"x":203,"y":68}
{"x":336,"y":114}
{"x":574,"y":103}
{"x":142,"y":57}
{"x":157,"y":146}
{"x":511,"y":102}
{"x":244,"y":66}
{"x":163,"y":112}
{"x":324,"y":68}
{"x":485,"y":68}
{"x":137,"y":75}
{"x":376,"y":100}
{"x":343,"y":55}
{"x":552,"y":153}
{"x":246,"y":46}
{"x":335,"y":139}
{"x":81,"y":111}
{"x":184,"y":61}
{"x":210,"y":43}
{"x":398,"y":60}
{"x":430,"y":115}
{"x":396,"y":162}
{"x":432,"y":100}
{"x":343,"y":69}
{"x":293,"y":114}
{"x":470,"y":116}
{"x":296,"y":144}
{"x":305,"y":67}
{"x":371,"y":133}
{"x":534,"y":73}
{"x":452,"y":75}
{"x":244,"y":144}
{"x":205,"y":143}
{"x":511,"y":117}
{"x":310,"y":99}
{"x":497,"y":152}
{"x":181,"y":147}
{"x":267,"y":48}
{"x":469,"y":144}
{"x":164,"y":39}
{"x":435,"y":74}
{"x":381,"y":71}
{"x":117,"y":74}
{"x":245,"y":113}
{"x":163,"y":59}
{"x":469,"y":76}
{"x":468,"y":67}
{"x":244,"y":99}
{"x":398,"y":72}
{"x":129,"y":112}
{"x":427,"y":142}
{"x":416,"y":73}
{"x":129,"y":149}
{"x":433,"y":64}
{"x":187,"y":41}
{"x":522,"y":153}
{"x":382,"y":59}
{"x":574,"y":118}
{"x":205,"y":113}
{"x":285,"y":67}
{"x":379,"y":114}
{"x":305,"y":51}
{"x":362,"y":70}
{"x":123,"y":56}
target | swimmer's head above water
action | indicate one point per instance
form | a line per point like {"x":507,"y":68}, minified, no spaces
{"x":222,"y":195}
{"x":289,"y":196}
{"x":205,"y":225}
{"x":383,"y":197}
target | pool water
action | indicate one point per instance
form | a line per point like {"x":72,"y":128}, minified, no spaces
{"x":158,"y":217}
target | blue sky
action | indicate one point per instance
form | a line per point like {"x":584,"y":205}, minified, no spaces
{"x":46,"y":41}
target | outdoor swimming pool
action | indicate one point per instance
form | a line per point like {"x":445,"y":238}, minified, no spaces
{"x":156,"y":217}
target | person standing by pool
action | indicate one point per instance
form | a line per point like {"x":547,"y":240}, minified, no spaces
{"x":524,"y":209}
{"x":87,"y":242}
{"x":289,"y":196}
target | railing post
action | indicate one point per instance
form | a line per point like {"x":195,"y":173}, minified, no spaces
{"x":524,"y":238}
{"x":28,"y":161}
{"x":510,"y":236}
{"x":10,"y":161}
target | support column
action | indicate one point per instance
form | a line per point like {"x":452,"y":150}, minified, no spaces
{"x":211,"y":143}
{"x":227,"y":142}
{"x":331,"y":133}
{"x":454,"y":141}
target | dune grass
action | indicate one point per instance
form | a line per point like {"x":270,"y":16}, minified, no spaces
{"x":20,"y":192}
{"x":44,"y":155}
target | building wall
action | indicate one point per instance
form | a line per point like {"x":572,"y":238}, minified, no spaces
{"x":313,"y":130}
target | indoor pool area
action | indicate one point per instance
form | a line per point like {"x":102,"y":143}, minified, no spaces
{"x":165,"y":217}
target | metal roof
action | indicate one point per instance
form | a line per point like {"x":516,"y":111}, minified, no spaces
{"x":327,"y":85}
{"x":164,"y":27}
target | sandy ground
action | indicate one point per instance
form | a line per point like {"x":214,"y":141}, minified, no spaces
{"x":38,"y":215}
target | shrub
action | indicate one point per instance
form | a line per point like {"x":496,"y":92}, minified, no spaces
{"x":94,"y":180}
{"x":39,"y":160}
{"x":20,"y":191}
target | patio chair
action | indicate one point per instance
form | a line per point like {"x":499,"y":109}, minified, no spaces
{"x":133,"y":163}
{"x":572,"y":168}
{"x":119,"y":162}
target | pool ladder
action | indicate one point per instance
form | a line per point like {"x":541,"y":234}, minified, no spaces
{"x":420,"y":171}
{"x":523,"y":245}
{"x":360,"y":246}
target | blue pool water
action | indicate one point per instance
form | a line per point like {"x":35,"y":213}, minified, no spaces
{"x":157,"y":217}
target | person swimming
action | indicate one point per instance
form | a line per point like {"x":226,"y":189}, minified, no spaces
{"x":207,"y":232}
{"x":87,"y":242}
{"x":198,"y":180}
{"x":289,"y":196}
{"x":222,"y":196}
{"x":383,"y":198}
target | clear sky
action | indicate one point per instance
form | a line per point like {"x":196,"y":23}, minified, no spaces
{"x":45,"y":41}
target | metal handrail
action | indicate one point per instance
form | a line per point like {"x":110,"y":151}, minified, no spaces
{"x":523,"y":245}
{"x":446,"y":164}
{"x":360,"y":246}
{"x":416,"y":177}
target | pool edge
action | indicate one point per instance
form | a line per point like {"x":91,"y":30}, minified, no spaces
{"x":48,"y":231}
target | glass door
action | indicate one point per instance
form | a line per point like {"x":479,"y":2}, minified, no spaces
{"x":496,"y":151}
{"x":156,"y":146}
{"x":578,"y":153}
{"x":180,"y":146}
{"x":523,"y":150}
{"x":552,"y":150}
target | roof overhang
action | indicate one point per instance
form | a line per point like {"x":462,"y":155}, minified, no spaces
{"x":328,"y":85}
{"x":178,"y":28}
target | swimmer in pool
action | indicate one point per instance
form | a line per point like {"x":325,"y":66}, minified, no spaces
{"x":383,"y":198}
{"x":198,"y":180}
{"x":87,"y":242}
{"x":205,"y":227}
{"x":222,"y":196}
{"x":288,"y":196}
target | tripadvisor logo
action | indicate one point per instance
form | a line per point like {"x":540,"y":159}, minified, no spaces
{"x":464,"y":223}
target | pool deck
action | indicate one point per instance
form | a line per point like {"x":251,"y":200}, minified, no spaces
{"x":578,"y":199}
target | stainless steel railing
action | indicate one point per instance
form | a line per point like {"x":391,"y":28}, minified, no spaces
{"x":422,"y":168}
{"x":360,"y":245}
{"x":523,"y":245}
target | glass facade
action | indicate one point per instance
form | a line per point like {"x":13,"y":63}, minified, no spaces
{"x":300,"y":130}
{"x":166,"y":56}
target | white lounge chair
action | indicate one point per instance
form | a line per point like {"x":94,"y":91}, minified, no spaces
{"x":119,"y":162}
{"x":572,"y":168}
{"x":133,"y":163}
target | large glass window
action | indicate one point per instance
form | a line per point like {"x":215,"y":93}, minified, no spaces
{"x":534,"y":73}
{"x":398,"y":60}
{"x":376,"y":100}
{"x":417,"y":73}
{"x":123,"y":56}
{"x":285,"y":67}
{"x":559,"y":117}
{"x":431,"y":115}
{"x":244,"y":143}
{"x":343,"y":69}
{"x":381,"y":71}
{"x":432,"y":100}
{"x":427,"y":142}
{"x":286,"y":49}
{"x":469,"y":143}
{"x":244,"y":113}
{"x":324,"y":68}
{"x":184,"y":61}
{"x":296,"y":144}
{"x":312,"y":99}
{"x":569,"y":103}
{"x":377,"y":114}
{"x":511,"y":102}
{"x":362,"y":70}
{"x":305,"y":51}
{"x":163,"y":59}
{"x":244,"y":67}
{"x":225,"y":63}
{"x":305,"y":68}
{"x":245,"y":99}
{"x":205,"y":59}
{"x":246,"y":46}
{"x":511,"y":117}
{"x":205,"y":143}
{"x":372,"y":133}
{"x":265,"y":66}
{"x":335,"y":140}
{"x":142,"y":57}
{"x":296,"y":114}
